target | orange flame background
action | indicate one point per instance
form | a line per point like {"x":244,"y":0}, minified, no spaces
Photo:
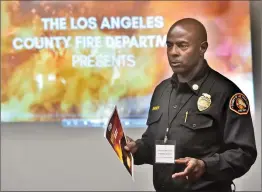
{"x":78,"y":92}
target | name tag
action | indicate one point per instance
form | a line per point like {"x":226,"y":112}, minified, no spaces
{"x":165,"y":153}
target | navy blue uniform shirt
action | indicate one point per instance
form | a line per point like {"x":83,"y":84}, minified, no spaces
{"x":222,"y":134}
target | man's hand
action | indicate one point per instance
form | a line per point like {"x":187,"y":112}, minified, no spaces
{"x":195,"y":168}
{"x":131,"y":145}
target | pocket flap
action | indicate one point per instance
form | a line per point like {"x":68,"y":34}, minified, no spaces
{"x":153,"y":117}
{"x":195,"y":121}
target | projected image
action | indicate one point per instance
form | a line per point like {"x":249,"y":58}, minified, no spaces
{"x":77,"y":60}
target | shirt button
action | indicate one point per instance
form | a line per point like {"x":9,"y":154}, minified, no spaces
{"x":194,"y":125}
{"x":175,"y":106}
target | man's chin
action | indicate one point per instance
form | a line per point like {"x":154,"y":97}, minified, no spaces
{"x":178,"y":70}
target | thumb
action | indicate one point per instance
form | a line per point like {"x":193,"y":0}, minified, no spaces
{"x":129,"y":139}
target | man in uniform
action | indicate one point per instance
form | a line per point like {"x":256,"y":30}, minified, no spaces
{"x":206,"y":115}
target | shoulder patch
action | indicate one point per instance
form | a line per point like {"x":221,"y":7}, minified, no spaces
{"x":239,"y":104}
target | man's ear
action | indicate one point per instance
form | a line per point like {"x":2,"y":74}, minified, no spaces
{"x":203,"y":48}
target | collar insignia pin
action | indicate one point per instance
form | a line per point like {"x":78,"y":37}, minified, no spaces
{"x":195,"y":87}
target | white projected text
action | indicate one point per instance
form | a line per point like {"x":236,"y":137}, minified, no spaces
{"x":102,"y":49}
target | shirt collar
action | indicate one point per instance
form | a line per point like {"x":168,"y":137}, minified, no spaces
{"x":197,"y":81}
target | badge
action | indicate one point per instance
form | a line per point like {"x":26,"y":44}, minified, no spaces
{"x":165,"y":152}
{"x":239,"y":104}
{"x":204,"y":102}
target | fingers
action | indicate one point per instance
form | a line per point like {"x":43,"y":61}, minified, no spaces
{"x":131,"y":146}
{"x":193,"y":169}
{"x":179,"y":175}
{"x":182,"y":160}
{"x":186,"y":172}
{"x":128,"y":139}
{"x":194,"y":175}
{"x":128,"y":146}
{"x":190,"y":168}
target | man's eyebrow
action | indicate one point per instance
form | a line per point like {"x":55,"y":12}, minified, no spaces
{"x":177,"y":42}
{"x":182,"y":41}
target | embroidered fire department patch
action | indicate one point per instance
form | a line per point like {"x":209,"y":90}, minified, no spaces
{"x":239,"y":104}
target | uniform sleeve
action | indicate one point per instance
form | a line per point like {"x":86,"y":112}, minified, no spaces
{"x":144,"y":154}
{"x":239,"y":150}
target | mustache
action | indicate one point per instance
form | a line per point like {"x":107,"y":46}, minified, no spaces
{"x":176,"y":61}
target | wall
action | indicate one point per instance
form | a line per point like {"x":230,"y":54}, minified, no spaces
{"x":48,"y":157}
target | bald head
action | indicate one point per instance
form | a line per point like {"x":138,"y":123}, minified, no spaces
{"x":193,"y":26}
{"x":186,"y":45}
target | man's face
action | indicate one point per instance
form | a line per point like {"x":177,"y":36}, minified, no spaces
{"x":183,"y":50}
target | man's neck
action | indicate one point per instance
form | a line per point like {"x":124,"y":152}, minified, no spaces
{"x":186,"y":77}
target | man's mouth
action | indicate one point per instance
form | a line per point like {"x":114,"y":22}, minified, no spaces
{"x":174,"y":64}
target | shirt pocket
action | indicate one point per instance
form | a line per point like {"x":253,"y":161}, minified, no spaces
{"x":197,"y":121}
{"x":154,"y":117}
{"x":153,"y":123}
{"x":199,"y":135}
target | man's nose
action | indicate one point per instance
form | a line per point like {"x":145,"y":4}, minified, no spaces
{"x":174,"y":51}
